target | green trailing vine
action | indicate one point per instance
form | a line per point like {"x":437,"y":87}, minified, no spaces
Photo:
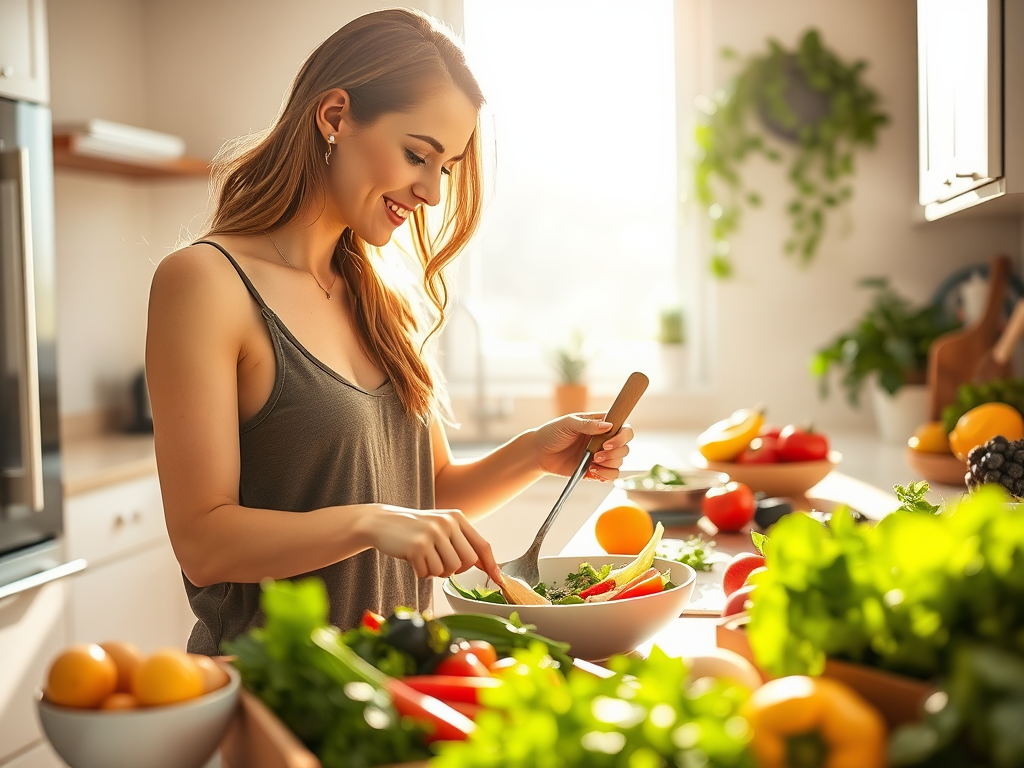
{"x":820,"y":105}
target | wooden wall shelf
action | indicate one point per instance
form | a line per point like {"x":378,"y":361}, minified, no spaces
{"x":65,"y":155}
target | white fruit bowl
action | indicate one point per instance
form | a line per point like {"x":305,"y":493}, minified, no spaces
{"x":176,"y":736}
{"x":593,"y":630}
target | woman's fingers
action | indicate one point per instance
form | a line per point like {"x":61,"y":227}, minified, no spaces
{"x":485,"y":557}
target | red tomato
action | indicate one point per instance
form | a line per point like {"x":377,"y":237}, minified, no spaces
{"x":484,"y":651}
{"x":462,"y":663}
{"x":502,"y":664}
{"x":796,"y":444}
{"x":729,"y":507}
{"x":738,"y":601}
{"x":738,"y":569}
{"x":762,"y":450}
{"x":770,"y":430}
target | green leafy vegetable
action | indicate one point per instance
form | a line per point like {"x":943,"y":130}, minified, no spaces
{"x":974,"y":720}
{"x":479,"y":593}
{"x":644,"y":716}
{"x":657,"y":477}
{"x":912,"y":498}
{"x":899,"y":595}
{"x":328,"y":698}
{"x":506,"y":635}
{"x":694,"y":552}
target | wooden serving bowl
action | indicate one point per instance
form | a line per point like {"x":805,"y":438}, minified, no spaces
{"x":942,"y":468}
{"x":789,"y":478}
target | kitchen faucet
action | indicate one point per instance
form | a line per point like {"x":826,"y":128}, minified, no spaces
{"x":483,"y":412}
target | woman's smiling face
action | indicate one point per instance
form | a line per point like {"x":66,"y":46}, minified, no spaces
{"x":381,"y":172}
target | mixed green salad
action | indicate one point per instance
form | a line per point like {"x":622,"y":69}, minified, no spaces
{"x":589,"y":584}
{"x":657,"y":478}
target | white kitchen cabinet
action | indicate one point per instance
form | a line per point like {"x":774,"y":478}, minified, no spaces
{"x":32,"y":631}
{"x":970,"y":105}
{"x":132,"y":589}
{"x":24,"y":64}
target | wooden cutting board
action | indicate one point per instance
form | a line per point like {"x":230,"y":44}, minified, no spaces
{"x":954,"y":357}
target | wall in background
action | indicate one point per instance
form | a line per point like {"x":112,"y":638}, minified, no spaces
{"x":212,"y":71}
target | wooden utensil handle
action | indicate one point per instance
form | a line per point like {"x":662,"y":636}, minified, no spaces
{"x":1011,"y":334}
{"x":628,"y":396}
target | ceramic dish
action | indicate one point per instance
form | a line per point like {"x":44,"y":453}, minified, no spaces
{"x":176,"y":736}
{"x":593,"y":630}
{"x":942,"y":468}
{"x":790,"y":478}
{"x":657,"y":497}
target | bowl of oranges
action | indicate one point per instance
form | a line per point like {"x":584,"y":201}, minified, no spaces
{"x":107,"y":705}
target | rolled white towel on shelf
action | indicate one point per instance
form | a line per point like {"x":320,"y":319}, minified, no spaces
{"x":109,"y":139}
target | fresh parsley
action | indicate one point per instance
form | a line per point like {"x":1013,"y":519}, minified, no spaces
{"x":912,"y":498}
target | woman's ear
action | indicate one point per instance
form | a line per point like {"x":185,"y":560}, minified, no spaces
{"x":334,"y":114}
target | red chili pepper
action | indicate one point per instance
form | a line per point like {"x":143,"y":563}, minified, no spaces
{"x":372,"y":620}
{"x":452,"y":687}
{"x":598,"y":589}
{"x":446,"y":724}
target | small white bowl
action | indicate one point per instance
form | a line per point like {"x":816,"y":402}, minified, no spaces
{"x":593,"y":630}
{"x":656,"y":497}
{"x":175,"y":736}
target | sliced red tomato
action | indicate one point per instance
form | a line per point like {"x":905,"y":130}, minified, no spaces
{"x":452,"y":687}
{"x":647,"y":583}
{"x":462,"y":663}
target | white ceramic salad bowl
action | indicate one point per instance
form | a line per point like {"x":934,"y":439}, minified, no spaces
{"x":593,"y":630}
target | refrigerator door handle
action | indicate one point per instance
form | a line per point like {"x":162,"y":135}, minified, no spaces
{"x":15,"y":167}
{"x":38,"y":579}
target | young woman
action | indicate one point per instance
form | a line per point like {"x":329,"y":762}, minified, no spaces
{"x":287,"y":373}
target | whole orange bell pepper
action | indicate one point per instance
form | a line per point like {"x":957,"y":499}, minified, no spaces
{"x":813,"y":722}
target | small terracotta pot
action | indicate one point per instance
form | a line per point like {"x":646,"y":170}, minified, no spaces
{"x":570,"y":398}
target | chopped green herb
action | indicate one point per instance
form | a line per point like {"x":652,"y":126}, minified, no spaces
{"x":694,"y":552}
{"x":912,"y":498}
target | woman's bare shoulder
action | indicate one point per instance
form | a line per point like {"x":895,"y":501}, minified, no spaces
{"x":198,"y":284}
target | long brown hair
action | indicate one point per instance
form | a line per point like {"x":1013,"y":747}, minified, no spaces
{"x":386,"y":60}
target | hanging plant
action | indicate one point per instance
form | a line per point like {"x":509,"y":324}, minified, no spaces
{"x":808,"y":99}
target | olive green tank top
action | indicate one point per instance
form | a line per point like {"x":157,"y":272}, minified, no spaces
{"x":321,"y":441}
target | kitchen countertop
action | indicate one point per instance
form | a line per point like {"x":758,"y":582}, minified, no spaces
{"x":864,"y":481}
{"x":95,"y":462}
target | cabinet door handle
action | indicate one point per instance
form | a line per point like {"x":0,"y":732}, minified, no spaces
{"x":44,"y":577}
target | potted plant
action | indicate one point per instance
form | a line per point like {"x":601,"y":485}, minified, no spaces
{"x":672,"y":347}
{"x":888,"y":350}
{"x":570,"y":365}
{"x":806,"y":103}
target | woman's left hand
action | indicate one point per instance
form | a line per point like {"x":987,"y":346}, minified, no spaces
{"x":560,"y":444}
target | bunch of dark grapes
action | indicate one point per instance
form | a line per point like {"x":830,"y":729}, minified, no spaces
{"x":997,"y":461}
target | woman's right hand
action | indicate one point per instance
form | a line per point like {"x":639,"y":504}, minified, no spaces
{"x":437,"y":542}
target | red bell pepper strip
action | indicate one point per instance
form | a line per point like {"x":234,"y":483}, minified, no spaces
{"x":445,"y":723}
{"x":647,"y":583}
{"x":452,"y":687}
{"x":469,"y":710}
{"x":598,"y":589}
{"x":372,"y":620}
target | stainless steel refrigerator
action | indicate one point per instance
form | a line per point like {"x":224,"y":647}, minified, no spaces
{"x":30,"y":467}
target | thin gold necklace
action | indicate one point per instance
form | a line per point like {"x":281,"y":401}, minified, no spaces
{"x":325,"y":290}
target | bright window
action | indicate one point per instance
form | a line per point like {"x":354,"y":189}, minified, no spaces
{"x":580,"y":230}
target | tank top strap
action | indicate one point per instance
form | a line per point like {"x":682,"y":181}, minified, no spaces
{"x":267,"y":311}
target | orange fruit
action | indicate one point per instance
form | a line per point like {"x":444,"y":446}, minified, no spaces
{"x":81,"y":676}
{"x":624,"y":529}
{"x":214,"y":676}
{"x":119,"y":701}
{"x":126,"y":657}
{"x":167,"y":676}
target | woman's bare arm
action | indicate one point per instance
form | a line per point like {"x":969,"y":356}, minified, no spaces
{"x":197,"y":321}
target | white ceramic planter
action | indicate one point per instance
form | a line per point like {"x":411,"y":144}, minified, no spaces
{"x":673,"y":359}
{"x":899,"y":415}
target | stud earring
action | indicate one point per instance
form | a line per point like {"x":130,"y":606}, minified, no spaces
{"x":330,"y":148}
